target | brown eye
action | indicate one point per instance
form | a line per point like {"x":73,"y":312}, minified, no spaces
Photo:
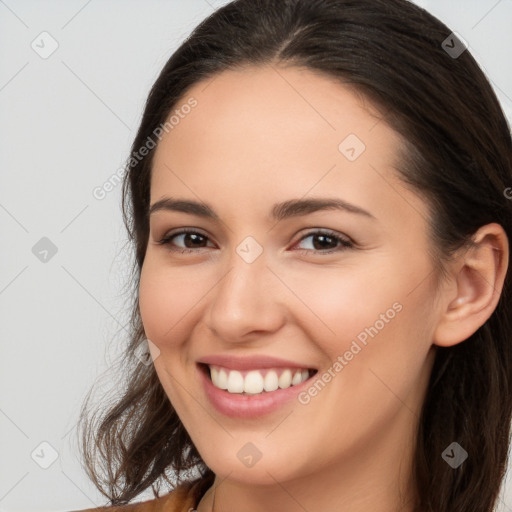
{"x":326,"y":242}
{"x":190,"y":238}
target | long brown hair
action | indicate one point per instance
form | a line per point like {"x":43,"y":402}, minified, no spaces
{"x":456,"y":154}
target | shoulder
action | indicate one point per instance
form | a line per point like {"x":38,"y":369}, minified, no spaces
{"x":183,"y":498}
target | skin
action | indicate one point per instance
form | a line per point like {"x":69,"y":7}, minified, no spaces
{"x":263,"y":135}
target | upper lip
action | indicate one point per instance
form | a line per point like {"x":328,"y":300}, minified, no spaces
{"x":250,"y":362}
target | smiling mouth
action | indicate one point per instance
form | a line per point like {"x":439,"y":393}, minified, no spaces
{"x":255,"y":382}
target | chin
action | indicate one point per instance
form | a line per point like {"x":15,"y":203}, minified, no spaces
{"x":265,"y":471}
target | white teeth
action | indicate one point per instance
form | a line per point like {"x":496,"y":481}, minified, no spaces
{"x":271,"y":382}
{"x":235,"y":382}
{"x":222,"y":380}
{"x":256,"y":381}
{"x":285,"y":380}
{"x":297,"y":378}
{"x":220,"y":377}
{"x":253,"y":383}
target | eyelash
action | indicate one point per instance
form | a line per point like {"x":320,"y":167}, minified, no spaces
{"x":344,"y":242}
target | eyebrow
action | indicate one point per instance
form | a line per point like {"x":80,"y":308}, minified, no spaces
{"x":280,"y":211}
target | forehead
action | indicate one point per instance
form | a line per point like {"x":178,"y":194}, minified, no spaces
{"x":268,"y":106}
{"x":286,"y":132}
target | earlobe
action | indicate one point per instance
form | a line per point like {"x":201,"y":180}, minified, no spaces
{"x":477,"y":278}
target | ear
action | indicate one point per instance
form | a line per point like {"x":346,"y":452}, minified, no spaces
{"x":473,"y":287}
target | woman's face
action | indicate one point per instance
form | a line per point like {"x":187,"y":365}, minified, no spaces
{"x":267,"y":279}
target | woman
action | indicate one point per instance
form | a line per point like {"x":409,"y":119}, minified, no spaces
{"x":317,"y":196}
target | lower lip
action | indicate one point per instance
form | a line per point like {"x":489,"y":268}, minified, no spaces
{"x":249,"y":406}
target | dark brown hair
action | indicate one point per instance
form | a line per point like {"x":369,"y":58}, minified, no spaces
{"x":456,"y":153}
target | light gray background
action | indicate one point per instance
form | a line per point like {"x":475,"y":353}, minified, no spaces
{"x":66,"y":125}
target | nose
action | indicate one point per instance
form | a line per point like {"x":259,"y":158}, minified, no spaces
{"x":247,"y":302}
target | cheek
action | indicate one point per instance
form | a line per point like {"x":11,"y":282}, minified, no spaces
{"x":340,"y":303}
{"x":166,"y":301}
{"x":375,"y":317}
